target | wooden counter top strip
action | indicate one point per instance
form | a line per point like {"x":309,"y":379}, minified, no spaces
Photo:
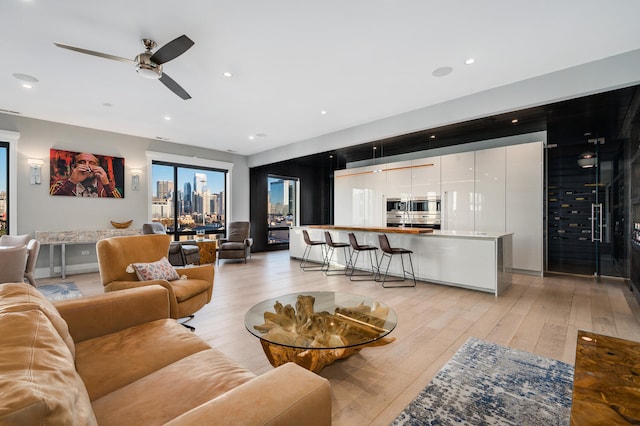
{"x":385,"y":230}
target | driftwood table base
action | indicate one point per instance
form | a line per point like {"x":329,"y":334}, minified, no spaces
{"x":315,"y":329}
{"x":313,"y":359}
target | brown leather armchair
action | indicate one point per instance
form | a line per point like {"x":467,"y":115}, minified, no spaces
{"x":186,"y":296}
{"x":33,"y":248}
{"x":238,"y":243}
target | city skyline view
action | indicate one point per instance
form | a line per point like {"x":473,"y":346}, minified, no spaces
{"x":198,"y":198}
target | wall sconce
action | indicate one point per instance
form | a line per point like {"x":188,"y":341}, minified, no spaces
{"x":135,"y":179}
{"x":35,"y":171}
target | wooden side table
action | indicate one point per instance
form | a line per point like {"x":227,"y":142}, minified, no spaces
{"x":606,"y":388}
{"x":208,"y":250}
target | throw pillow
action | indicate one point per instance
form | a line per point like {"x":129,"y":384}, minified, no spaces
{"x":160,"y":270}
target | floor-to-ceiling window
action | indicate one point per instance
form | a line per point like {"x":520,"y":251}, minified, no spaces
{"x":282,"y":208}
{"x":187,"y":199}
{"x":4,"y":188}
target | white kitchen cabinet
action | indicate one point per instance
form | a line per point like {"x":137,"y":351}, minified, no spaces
{"x":490,"y":198}
{"x":375,"y":207}
{"x":398,"y":179}
{"x":524,"y":204}
{"x":358,"y":196}
{"x":458,"y":189}
{"x":425,"y":177}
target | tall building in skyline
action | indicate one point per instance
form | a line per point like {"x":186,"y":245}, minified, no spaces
{"x":187,"y":204}
{"x":162,"y":189}
{"x":200,"y":182}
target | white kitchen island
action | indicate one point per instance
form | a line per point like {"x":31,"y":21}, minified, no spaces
{"x":474,"y":260}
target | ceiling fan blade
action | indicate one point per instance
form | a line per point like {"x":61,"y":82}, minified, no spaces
{"x":174,"y":87}
{"x":91,"y":52}
{"x":172,"y":50}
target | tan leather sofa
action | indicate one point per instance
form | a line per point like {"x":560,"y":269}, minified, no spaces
{"x":117,"y":358}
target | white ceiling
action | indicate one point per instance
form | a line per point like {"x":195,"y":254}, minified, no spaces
{"x":360,"y":60}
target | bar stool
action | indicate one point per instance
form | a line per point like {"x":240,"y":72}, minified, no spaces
{"x":356,"y":249}
{"x":388,"y":251}
{"x":307,"y":252}
{"x":331,"y":246}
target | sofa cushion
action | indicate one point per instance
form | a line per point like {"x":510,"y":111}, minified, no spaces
{"x":187,"y":383}
{"x":233,"y":246}
{"x":15,"y":297}
{"x":109,"y":362}
{"x":38,"y":380}
{"x":14,"y":240}
{"x":186,"y":289}
{"x":160,"y":270}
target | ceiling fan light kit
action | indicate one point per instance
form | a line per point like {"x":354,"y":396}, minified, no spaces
{"x":146,"y":68}
{"x":149,"y":64}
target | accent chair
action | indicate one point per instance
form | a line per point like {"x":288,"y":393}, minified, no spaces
{"x":121,"y":261}
{"x":238,"y":243}
{"x":179,"y":254}
{"x":33,"y":249}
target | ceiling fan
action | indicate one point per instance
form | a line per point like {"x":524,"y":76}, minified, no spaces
{"x":149,"y":64}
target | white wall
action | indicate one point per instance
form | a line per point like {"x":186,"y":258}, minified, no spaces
{"x":38,"y":211}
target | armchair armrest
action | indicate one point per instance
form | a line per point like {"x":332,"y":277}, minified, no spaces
{"x":202,"y":272}
{"x":94,"y":316}
{"x":287,"y":395}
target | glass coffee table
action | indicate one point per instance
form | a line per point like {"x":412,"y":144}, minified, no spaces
{"x":314,"y":329}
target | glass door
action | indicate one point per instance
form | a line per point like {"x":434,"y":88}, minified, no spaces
{"x":282,"y":208}
{"x":586,"y":208}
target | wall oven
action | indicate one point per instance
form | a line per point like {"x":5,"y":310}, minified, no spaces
{"x":414,"y":212}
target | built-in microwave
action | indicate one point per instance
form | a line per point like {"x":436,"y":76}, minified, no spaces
{"x":414,"y":212}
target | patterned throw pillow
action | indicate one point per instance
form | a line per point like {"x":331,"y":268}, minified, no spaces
{"x":160,"y":270}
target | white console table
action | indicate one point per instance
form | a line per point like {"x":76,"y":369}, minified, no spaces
{"x":64,"y":238}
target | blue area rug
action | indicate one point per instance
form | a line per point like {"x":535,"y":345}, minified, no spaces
{"x":489,"y":384}
{"x":62,"y":291}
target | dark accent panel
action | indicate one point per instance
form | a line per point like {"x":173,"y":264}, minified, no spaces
{"x":316,"y":194}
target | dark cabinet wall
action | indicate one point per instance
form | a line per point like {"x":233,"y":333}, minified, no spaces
{"x":635,"y":206}
{"x":316,"y":198}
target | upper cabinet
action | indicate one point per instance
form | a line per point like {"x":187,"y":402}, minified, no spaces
{"x":398,"y":179}
{"x":490,"y":195}
{"x":425,"y":177}
{"x":458,"y":190}
{"x":359,"y":196}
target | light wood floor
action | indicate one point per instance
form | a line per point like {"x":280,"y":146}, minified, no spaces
{"x":539,"y":315}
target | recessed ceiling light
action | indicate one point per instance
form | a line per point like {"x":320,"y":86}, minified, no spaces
{"x":323,"y":112}
{"x":469,"y":61}
{"x":252,"y":137}
{"x":227,"y":74}
{"x":432,"y":137}
{"x":442,"y":71}
{"x":514,"y":121}
{"x":27,"y":86}
{"x":167,"y":117}
{"x":25,"y":77}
